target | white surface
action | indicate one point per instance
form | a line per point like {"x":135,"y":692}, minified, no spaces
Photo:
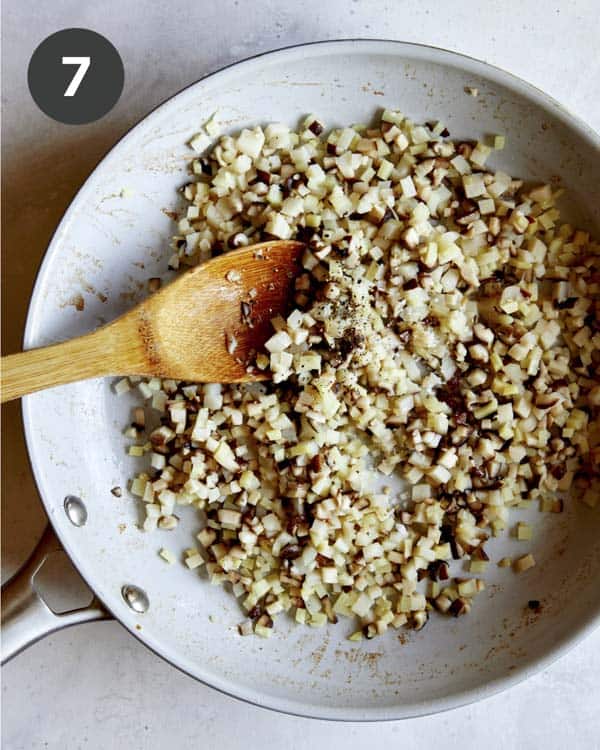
{"x":111,"y":691}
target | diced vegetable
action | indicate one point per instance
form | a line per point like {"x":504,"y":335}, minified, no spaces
{"x":443,"y":330}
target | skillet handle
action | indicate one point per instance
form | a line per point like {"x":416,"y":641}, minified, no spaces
{"x":25,"y":617}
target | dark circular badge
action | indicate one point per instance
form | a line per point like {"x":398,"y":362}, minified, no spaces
{"x":76,"y":76}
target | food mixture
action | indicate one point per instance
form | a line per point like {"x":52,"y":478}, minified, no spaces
{"x":445,"y":331}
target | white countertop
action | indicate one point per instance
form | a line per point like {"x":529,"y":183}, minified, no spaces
{"x":94,"y":686}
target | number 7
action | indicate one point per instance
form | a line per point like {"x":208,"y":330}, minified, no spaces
{"x":84,"y":64}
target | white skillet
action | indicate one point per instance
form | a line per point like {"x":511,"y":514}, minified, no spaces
{"x":74,"y":433}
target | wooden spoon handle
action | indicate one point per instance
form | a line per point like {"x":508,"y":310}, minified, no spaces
{"x":103,"y":352}
{"x":51,"y":365}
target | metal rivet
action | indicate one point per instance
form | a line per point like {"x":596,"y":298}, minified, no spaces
{"x":75,"y":510}
{"x":136,"y":598}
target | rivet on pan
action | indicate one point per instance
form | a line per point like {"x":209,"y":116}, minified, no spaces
{"x":75,"y":510}
{"x":136,"y":598}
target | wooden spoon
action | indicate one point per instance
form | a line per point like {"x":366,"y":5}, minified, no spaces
{"x":179,"y":332}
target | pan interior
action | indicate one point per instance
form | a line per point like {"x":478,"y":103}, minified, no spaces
{"x":115,"y":237}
